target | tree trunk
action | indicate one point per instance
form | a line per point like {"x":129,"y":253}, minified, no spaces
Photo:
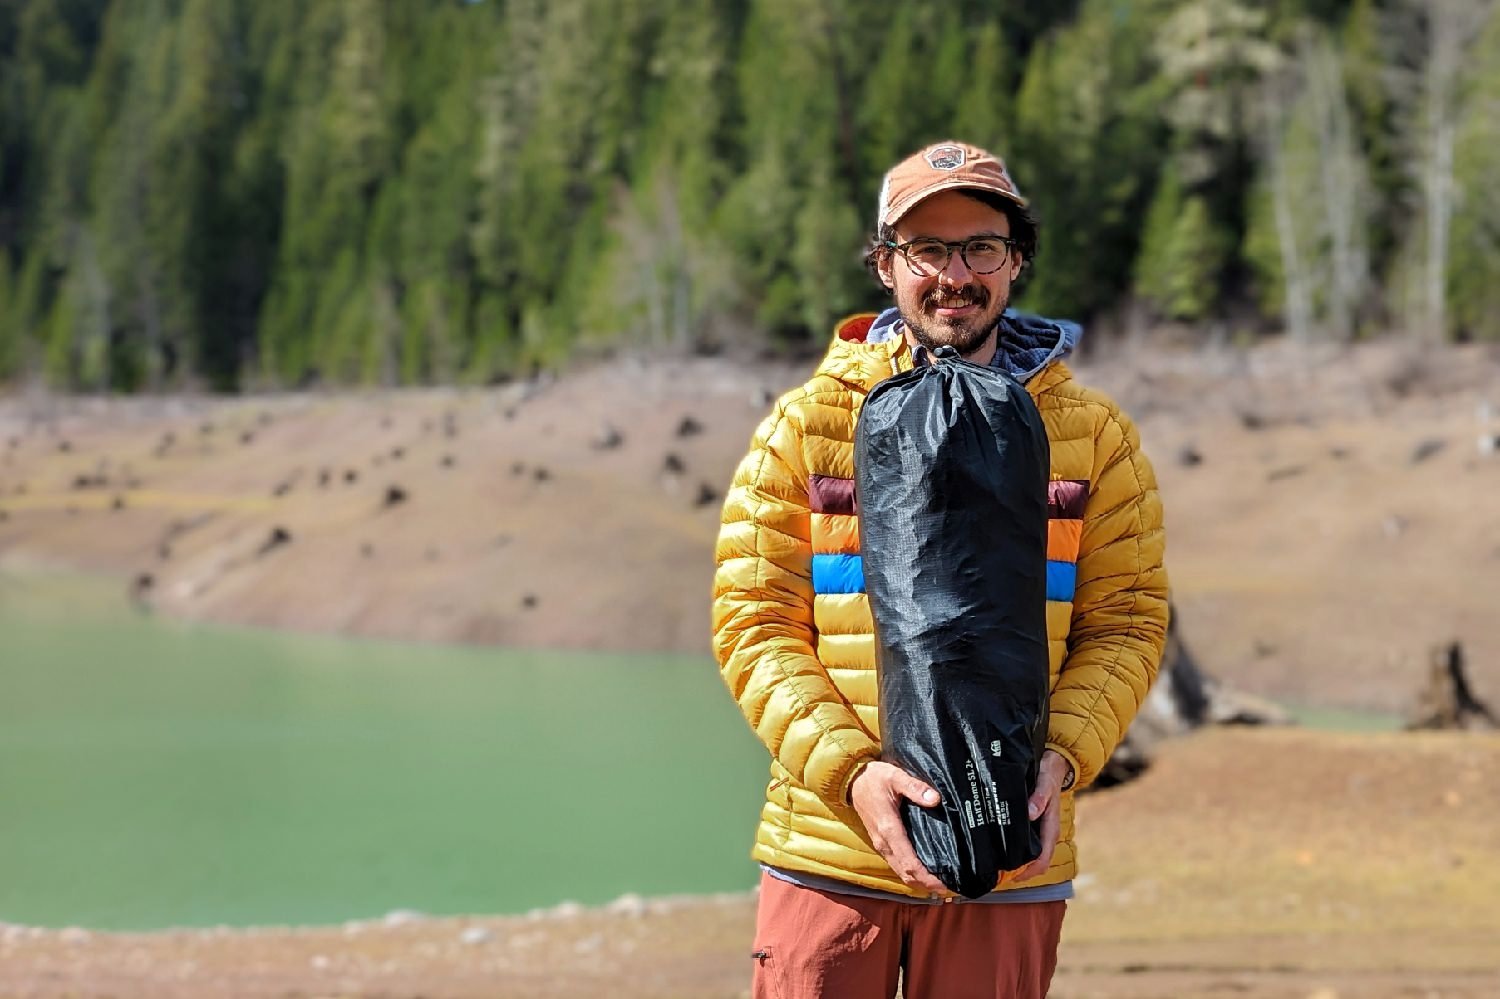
{"x":1342,"y":183}
{"x":1296,"y":306}
{"x":1447,"y":701}
{"x":1452,"y":27}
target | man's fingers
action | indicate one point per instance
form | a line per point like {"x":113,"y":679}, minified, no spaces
{"x":1051,"y":826}
{"x":1036,"y":868}
{"x":916,"y":876}
{"x":876,"y":796}
{"x":1054,"y":770}
{"x":1043,"y":861}
{"x":903,"y":860}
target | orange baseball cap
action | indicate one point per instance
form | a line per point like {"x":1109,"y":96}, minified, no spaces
{"x":943,"y":166}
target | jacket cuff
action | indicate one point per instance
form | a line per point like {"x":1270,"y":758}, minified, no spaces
{"x":1072,"y":762}
{"x":855,"y":770}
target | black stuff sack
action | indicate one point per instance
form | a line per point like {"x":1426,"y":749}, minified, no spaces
{"x":951,"y":466}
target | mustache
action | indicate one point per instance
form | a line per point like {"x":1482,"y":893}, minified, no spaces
{"x":971,"y":294}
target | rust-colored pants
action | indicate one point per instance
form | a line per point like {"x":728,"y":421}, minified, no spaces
{"x":819,"y":945}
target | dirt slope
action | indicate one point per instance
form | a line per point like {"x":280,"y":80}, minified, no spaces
{"x":1339,"y":518}
{"x":441,"y":515}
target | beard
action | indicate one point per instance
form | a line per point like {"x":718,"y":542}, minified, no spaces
{"x":966,"y":334}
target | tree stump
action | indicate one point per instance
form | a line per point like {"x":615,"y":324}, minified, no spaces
{"x":1447,"y":701}
{"x":1182,"y":699}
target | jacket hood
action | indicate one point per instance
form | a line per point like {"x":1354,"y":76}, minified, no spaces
{"x":1028,"y":343}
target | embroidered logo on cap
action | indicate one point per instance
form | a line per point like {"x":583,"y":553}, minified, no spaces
{"x":945,"y":157}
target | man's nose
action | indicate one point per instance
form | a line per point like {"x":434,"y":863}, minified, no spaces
{"x":956,"y":272}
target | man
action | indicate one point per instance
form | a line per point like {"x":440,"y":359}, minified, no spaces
{"x":845,"y":907}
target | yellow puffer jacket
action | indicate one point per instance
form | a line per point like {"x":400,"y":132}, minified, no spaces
{"x":801,"y":663}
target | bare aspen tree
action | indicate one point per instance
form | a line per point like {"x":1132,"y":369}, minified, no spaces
{"x":1474,"y":267}
{"x":1310,"y":231}
{"x":1296,"y":296}
{"x":1452,"y":26}
{"x":1342,"y":181}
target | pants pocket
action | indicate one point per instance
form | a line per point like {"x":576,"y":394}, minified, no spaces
{"x":766,"y":981}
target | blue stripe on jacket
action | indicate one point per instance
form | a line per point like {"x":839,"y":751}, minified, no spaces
{"x":838,"y":574}
{"x":846,"y":574}
{"x":1062,"y":579}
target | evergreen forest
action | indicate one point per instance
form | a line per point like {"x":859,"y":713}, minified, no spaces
{"x":260,"y":194}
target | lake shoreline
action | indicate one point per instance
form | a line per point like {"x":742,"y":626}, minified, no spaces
{"x":1217,"y":917}
{"x":310,"y":779}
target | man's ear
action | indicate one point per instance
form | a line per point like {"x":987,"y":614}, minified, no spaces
{"x":883,"y":269}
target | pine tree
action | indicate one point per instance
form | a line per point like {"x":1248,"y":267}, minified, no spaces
{"x":660,"y":273}
{"x":237,"y":194}
{"x":789,"y":89}
{"x":826,"y":241}
{"x":891,"y":94}
{"x":1088,"y":141}
{"x":419,"y":250}
{"x":1362,"y":47}
{"x":1181,"y":253}
{"x":983,"y":110}
{"x":506,"y":102}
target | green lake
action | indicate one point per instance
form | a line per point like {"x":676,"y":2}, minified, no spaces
{"x":157,"y":774}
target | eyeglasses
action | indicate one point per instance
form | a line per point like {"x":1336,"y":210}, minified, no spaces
{"x":981,"y":254}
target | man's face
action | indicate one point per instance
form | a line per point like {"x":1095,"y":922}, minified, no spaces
{"x":954,"y":307}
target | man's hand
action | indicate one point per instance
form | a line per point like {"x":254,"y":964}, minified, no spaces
{"x":1046,"y":802}
{"x":875,"y":795}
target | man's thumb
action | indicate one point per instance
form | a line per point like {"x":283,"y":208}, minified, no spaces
{"x":921,"y":793}
{"x":1036,"y":805}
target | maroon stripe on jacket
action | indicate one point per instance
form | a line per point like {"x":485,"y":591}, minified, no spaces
{"x":1066,"y":498}
{"x":829,"y":494}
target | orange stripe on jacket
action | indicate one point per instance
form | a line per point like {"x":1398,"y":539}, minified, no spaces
{"x":835,"y":534}
{"x":1063,"y":539}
